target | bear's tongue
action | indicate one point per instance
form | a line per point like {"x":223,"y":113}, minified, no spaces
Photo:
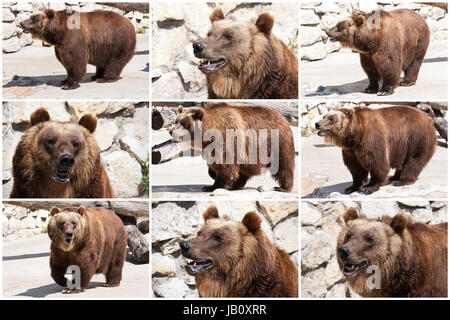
{"x":61,"y":176}
{"x":211,"y":65}
{"x":197,"y":267}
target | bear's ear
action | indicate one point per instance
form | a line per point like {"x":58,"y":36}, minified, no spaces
{"x":399,"y":222}
{"x":347,"y":112}
{"x":50,"y":13}
{"x":54,"y":210}
{"x":358,"y":17}
{"x":252,"y":221}
{"x":180,"y":109}
{"x":211,"y":213}
{"x":38,"y":116}
{"x":350,"y":214}
{"x":197,"y":113}
{"x":89,"y":122}
{"x":81,"y":210}
{"x":216,"y":15}
{"x":265,"y":23}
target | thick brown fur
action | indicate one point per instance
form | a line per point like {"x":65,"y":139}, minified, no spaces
{"x":411,"y":256}
{"x":375,"y":140}
{"x":105,"y":39}
{"x":37,"y":158}
{"x":398,"y":44}
{"x":246,"y":263}
{"x":258,"y":64}
{"x":98,"y":245}
{"x":221,"y":117}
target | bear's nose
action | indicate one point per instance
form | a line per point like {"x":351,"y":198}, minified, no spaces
{"x":317,"y":125}
{"x":66,"y":160}
{"x":184,"y":245}
{"x":344,"y":252}
{"x":198,"y":48}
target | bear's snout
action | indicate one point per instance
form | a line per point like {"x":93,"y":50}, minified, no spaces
{"x":198,"y":48}
{"x":317,"y":125}
{"x":66,"y":161}
{"x":344,"y":252}
{"x":184,"y":245}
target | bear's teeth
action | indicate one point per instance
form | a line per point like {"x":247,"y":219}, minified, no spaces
{"x":195,"y":264}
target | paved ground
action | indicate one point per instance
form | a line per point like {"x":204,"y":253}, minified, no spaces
{"x":35,"y":73}
{"x":341,"y":76}
{"x":324,"y":174}
{"x":183,"y":178}
{"x":26,"y":273}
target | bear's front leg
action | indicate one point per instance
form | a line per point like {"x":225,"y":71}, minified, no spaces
{"x":359,"y":174}
{"x":372,"y":73}
{"x":58,"y":274}
{"x":73,"y":58}
{"x":390,"y":74}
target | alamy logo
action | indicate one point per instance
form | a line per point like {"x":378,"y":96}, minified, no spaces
{"x":73,"y":276}
{"x":374,"y":20}
{"x":374,"y":281}
{"x":73,"y":20}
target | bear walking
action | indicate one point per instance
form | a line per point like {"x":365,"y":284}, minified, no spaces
{"x":104,"y":39}
{"x":375,"y":140}
{"x":59,"y":160}
{"x":236,"y":259}
{"x":92,"y":239}
{"x":406,"y":259}
{"x":388,"y":43}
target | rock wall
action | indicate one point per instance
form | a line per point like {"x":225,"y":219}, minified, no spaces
{"x":316,"y":17}
{"x":122,"y":135}
{"x":175,"y":27}
{"x":174,"y":221}
{"x":321,"y":223}
{"x":19,"y":222}
{"x":15,"y":12}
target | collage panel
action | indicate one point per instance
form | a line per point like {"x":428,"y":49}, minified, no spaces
{"x":230,"y":50}
{"x":239,"y":150}
{"x":219,"y":249}
{"x":75,"y":149}
{"x":367,"y":50}
{"x":374,"y":150}
{"x":378,"y":249}
{"x":76,"y":50}
{"x":66,"y":249}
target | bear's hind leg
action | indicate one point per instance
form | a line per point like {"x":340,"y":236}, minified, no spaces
{"x":112,"y":71}
{"x":240,"y":182}
{"x":114,"y":274}
{"x":396,"y":175}
{"x":410,"y":171}
{"x":99,"y":72}
{"x":285,"y":176}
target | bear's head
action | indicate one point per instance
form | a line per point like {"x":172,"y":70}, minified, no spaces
{"x":48,"y":25}
{"x":60,"y":149}
{"x":229,"y":43}
{"x":187,"y":124}
{"x":67,"y":227}
{"x":222,"y":244}
{"x":365,"y":246}
{"x":334,"y":123}
{"x":357,"y":31}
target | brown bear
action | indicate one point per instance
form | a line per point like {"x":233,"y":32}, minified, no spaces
{"x":92,"y":239}
{"x":236,"y":259}
{"x":239,"y":135}
{"x":375,"y":140}
{"x":104,"y":39}
{"x":392,"y":256}
{"x":388,"y":43}
{"x":59,"y":160}
{"x":245,"y":60}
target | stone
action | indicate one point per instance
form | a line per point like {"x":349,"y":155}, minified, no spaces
{"x":379,"y":208}
{"x":163,"y":265}
{"x":135,"y":134}
{"x":333,"y":273}
{"x":310,"y":35}
{"x":367,"y":5}
{"x":414,"y":203}
{"x":315,"y":52}
{"x":173,"y":288}
{"x":10,"y":138}
{"x":25,"y":39}
{"x":327,"y":7}
{"x":168,"y":86}
{"x":337,"y":291}
{"x":27,"y":223}
{"x":286,"y":234}
{"x":422,"y":215}
{"x":438,"y":204}
{"x":8,"y":16}
{"x":105,"y":133}
{"x":20,"y":112}
{"x":9,"y":30}
{"x":56,"y":5}
{"x":318,"y":250}
{"x":313,"y":285}
{"x":437,"y":13}
{"x":13,"y":225}
{"x":4,"y":225}
{"x":191,"y":76}
{"x":20,"y":212}
{"x":124,"y":172}
{"x":275,"y":211}
{"x":311,"y":216}
{"x":24,"y":6}
{"x":309,"y":18}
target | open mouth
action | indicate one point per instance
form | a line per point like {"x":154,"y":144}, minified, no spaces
{"x":208,"y":66}
{"x":196,"y":267}
{"x":350,"y":270}
{"x":334,"y":39}
{"x":69,"y":240}
{"x":61,"y":176}
{"x":323,"y":132}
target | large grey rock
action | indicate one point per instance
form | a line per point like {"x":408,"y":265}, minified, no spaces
{"x":315,"y":52}
{"x":317,"y":252}
{"x":313,"y":285}
{"x":286,"y":234}
{"x":105,"y":133}
{"x":309,"y":17}
{"x":168,"y":86}
{"x":275,"y":211}
{"x":311,"y":215}
{"x":9,"y":29}
{"x":11,"y":45}
{"x":124,"y":173}
{"x":163,"y":265}
{"x":172,"y":288}
{"x":310,"y":35}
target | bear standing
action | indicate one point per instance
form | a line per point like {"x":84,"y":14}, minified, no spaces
{"x":375,"y":140}
{"x":388,"y":43}
{"x":245,"y":60}
{"x":392,"y":256}
{"x":236,"y":259}
{"x":59,"y":160}
{"x":104,"y":39}
{"x":92,"y":239}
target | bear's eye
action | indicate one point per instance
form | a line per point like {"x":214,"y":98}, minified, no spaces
{"x":228,"y":36}
{"x":217,"y":237}
{"x":368,"y":238}
{"x":75,"y":144}
{"x":331,"y":118}
{"x":347,"y":237}
{"x":209,"y":34}
{"x":199,"y":233}
{"x":51,"y":141}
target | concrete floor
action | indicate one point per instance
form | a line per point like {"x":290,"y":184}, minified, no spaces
{"x":342,"y":77}
{"x":324,"y":174}
{"x":26,"y":274}
{"x":41,"y":73}
{"x":183,"y":178}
